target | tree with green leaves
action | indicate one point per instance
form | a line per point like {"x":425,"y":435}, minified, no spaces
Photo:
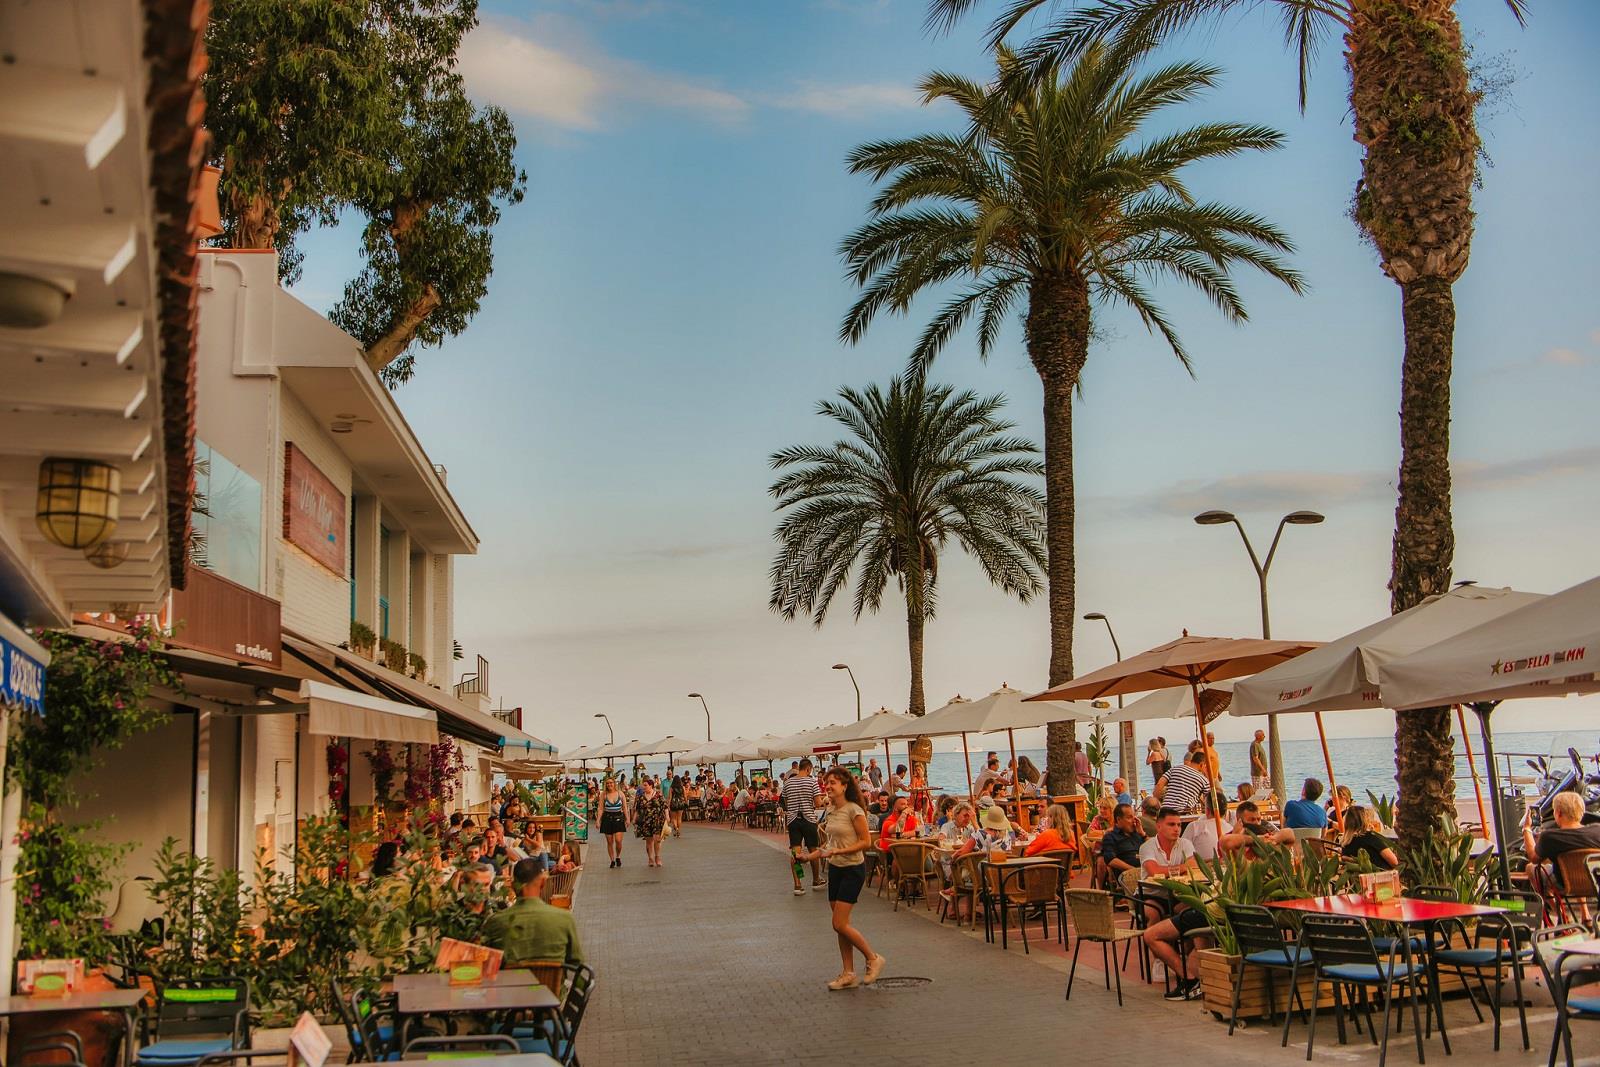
{"x":319,"y":106}
{"x":922,"y":466}
{"x":1051,"y":205}
{"x":1414,"y":107}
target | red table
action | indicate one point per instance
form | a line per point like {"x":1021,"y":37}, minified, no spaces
{"x":1407,"y":912}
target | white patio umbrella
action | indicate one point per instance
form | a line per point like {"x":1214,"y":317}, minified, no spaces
{"x":1162,"y":704}
{"x":1538,"y":650}
{"x":749,"y":750}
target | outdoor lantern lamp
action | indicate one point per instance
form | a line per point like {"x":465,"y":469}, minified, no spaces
{"x":703,"y":704}
{"x":1294,"y":518}
{"x":846,"y":668}
{"x":77,"y":504}
{"x":107,"y":554}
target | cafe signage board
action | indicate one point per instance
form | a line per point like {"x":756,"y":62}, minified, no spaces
{"x":313,"y":511}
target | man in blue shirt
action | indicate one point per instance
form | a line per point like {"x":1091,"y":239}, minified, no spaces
{"x":1306,"y":813}
{"x":1119,"y":848}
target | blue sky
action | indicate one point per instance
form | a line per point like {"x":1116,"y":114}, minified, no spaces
{"x":664,"y":310}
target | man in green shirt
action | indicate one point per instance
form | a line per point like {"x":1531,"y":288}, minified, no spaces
{"x":531,"y":929}
{"x":1259,"y":780}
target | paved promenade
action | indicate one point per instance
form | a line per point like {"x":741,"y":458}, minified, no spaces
{"x":711,"y":960}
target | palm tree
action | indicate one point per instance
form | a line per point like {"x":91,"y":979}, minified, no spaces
{"x":1414,"y":108}
{"x":922,"y":465}
{"x":1048,"y":205}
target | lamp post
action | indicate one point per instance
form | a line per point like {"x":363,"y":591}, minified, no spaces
{"x":611,"y":737}
{"x":703,"y":704}
{"x":1295,"y":518}
{"x":846,"y":668}
{"x":1126,"y":741}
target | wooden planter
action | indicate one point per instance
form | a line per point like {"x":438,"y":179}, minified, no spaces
{"x":1216,"y":983}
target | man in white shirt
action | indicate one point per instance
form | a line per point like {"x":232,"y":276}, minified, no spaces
{"x":990,"y":772}
{"x":1165,"y":855}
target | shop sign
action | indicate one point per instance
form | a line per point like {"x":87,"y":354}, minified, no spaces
{"x":213,"y":614}
{"x":313,"y":511}
{"x":21,"y":679}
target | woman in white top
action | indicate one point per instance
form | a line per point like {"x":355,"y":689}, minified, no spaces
{"x":844,"y":845}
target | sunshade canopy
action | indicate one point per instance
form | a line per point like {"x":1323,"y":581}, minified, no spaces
{"x":670,"y":744}
{"x":583,"y":752}
{"x":1175,"y":703}
{"x":333,"y":711}
{"x":877,"y":727}
{"x":1342,"y":675}
{"x":630,"y":748}
{"x":828,"y":738}
{"x":739,"y":752}
{"x":1541,"y":649}
{"x":1003,"y":709}
{"x":1186,"y":661}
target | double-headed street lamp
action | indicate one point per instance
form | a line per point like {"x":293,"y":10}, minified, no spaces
{"x":1295,"y":518}
{"x":846,"y":668}
{"x":693,"y":696}
{"x":1130,"y":770}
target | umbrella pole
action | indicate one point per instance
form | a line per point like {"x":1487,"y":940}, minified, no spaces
{"x":1011,"y":735}
{"x":1327,"y":761}
{"x":1483,"y":709}
{"x":967,"y":758}
{"x":1477,"y":788}
{"x":1205,"y":743}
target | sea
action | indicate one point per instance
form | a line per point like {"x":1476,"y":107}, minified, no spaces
{"x":1364,"y":764}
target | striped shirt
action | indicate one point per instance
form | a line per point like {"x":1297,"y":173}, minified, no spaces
{"x":800,"y":795}
{"x":1185,"y":787}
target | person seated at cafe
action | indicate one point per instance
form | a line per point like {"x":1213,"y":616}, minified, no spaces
{"x":571,"y":857}
{"x":531,"y":929}
{"x":1149,"y":808}
{"x":1162,"y":937}
{"x":1029,"y":780}
{"x":1183,"y":787}
{"x":1244,"y":792}
{"x":1572,"y":830}
{"x":1167,"y":853}
{"x":989,"y":774}
{"x":1366,"y":838}
{"x":996,"y":829}
{"x":901,"y":824}
{"x":1306,"y":813}
{"x":1249,"y":825}
{"x":1119,"y":848}
{"x":942,"y":812}
{"x":1120,"y":789}
{"x":1202,"y":833}
{"x":475,"y":886}
{"x":1104,"y":814}
{"x":1346,"y":800}
{"x":1055,"y":832}
{"x":961,"y":835}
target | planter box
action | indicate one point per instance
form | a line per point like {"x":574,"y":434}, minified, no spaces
{"x":1216,"y":982}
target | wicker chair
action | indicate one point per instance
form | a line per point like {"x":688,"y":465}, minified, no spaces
{"x":550,"y":973}
{"x":559,"y":884}
{"x":1093,"y":919}
{"x":1576,"y":898}
{"x":911,"y":868}
{"x":965,"y":877}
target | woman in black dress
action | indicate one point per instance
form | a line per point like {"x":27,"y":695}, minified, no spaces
{"x":613,"y":820}
{"x":650,"y":820}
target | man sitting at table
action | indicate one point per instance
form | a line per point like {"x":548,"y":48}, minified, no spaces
{"x":899,"y":825}
{"x":1163,"y":856}
{"x":1306,"y":813}
{"x":1570,"y":832}
{"x":531,"y":929}
{"x":1119,"y":848}
{"x":1182,"y":788}
{"x":1120,"y":788}
{"x":990,"y":773}
{"x":1249,"y":825}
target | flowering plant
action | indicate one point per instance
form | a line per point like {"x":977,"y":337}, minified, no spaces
{"x":380,"y":758}
{"x":63,"y":884}
{"x":338,"y":773}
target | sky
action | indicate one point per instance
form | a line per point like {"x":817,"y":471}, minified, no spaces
{"x":664,"y":311}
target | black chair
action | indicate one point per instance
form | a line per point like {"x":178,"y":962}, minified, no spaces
{"x":557,"y":1035}
{"x":448,"y":1046}
{"x":1033,"y":887}
{"x":376,"y":1020}
{"x":1500,"y":941}
{"x":196,"y":1017}
{"x":249,"y":1057}
{"x":1343,"y":953}
{"x":1265,"y":944}
{"x":50,"y":1044}
{"x":1562,"y":974}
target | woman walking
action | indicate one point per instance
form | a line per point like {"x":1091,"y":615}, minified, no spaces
{"x":1157,"y":760}
{"x":650,"y":820}
{"x":845,"y":839}
{"x":679,"y":803}
{"x":613,"y":820}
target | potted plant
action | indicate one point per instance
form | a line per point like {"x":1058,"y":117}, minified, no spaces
{"x":394,"y":655}
{"x":363,"y":641}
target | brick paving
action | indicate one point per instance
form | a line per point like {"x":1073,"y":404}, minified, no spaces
{"x":711,"y":960}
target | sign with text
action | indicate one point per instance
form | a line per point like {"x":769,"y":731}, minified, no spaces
{"x":212,"y":614}
{"x":21,"y":678}
{"x":313,"y":511}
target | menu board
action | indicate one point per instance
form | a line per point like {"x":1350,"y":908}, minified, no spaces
{"x":575,"y":816}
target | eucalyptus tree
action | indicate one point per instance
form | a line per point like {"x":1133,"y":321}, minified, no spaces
{"x":921,"y":466}
{"x":1414,"y":107}
{"x":1054,"y":204}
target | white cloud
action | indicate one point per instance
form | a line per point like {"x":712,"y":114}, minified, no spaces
{"x":1565,"y":357}
{"x":537,"y":72}
{"x":1594,"y":336}
{"x":850,"y":101}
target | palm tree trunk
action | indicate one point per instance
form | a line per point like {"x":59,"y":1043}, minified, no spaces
{"x":1058,"y":343}
{"x":1413,"y":106}
{"x":917,"y":702}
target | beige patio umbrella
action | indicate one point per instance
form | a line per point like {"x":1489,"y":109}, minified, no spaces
{"x":1188,"y":661}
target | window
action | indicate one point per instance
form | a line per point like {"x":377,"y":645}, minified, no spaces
{"x":383,"y":582}
{"x":226,"y":513}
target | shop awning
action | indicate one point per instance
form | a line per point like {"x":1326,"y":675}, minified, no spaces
{"x":336,"y":712}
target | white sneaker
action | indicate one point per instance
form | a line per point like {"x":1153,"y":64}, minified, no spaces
{"x":799,"y":890}
{"x":847,"y":980}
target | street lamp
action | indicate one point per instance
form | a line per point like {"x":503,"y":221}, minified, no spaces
{"x":703,"y":704}
{"x":1294,"y":518}
{"x":611,"y":735}
{"x":1130,"y":769}
{"x":846,"y":668}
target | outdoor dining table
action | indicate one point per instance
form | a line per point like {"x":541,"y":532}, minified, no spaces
{"x":474,"y":999}
{"x":520,"y":1059}
{"x":511,"y":976}
{"x":118,"y":1000}
{"x":1422,"y":914}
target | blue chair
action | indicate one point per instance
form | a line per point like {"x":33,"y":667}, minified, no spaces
{"x":1263,"y":943}
{"x":460,"y":1046}
{"x":196,"y":1017}
{"x":1573,"y":981}
{"x":557,"y":1035}
{"x":1343,"y":953}
{"x":1500,"y":941}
